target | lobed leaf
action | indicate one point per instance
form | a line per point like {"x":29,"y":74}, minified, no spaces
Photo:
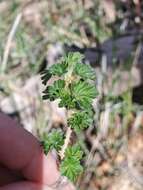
{"x":83,"y":93}
{"x":80,"y":120}
{"x":66,"y":99}
{"x":84,"y":71}
{"x":45,"y":76}
{"x":71,"y":166}
{"x":56,"y":70}
{"x":72,"y":58}
{"x":74,"y":151}
{"x":53,"y":140}
{"x":53,"y":92}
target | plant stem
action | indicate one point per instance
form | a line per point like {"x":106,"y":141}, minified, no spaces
{"x":67,"y":140}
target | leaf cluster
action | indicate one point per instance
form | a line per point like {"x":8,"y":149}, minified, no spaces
{"x":71,"y":166}
{"x":83,"y":93}
{"x":61,"y":67}
{"x":53,"y":140}
{"x":75,"y":90}
{"x":80,"y":120}
{"x":76,"y":94}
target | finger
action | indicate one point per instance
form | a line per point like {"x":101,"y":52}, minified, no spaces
{"x":7,"y":176}
{"x":32,"y":186}
{"x":25,"y":186}
{"x":42,"y":169}
{"x":20,"y":150}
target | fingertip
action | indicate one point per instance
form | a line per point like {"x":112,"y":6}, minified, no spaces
{"x":42,"y":169}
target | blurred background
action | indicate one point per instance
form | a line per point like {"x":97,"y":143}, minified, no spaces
{"x":109,"y":33}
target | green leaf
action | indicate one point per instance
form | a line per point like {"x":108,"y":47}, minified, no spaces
{"x":56,"y":70}
{"x":45,"y":76}
{"x":72,"y":58}
{"x":85,"y":71}
{"x":71,"y":166}
{"x":53,"y":140}
{"x":74,"y":151}
{"x":66,"y":99}
{"x":53,"y":92}
{"x":83,"y":93}
{"x":80,"y":120}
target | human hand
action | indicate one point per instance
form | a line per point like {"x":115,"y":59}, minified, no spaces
{"x":23,"y":165}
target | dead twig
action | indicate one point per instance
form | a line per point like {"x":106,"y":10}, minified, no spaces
{"x":9,"y":41}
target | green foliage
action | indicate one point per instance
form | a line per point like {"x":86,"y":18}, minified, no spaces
{"x":61,"y":68}
{"x":75,"y":94}
{"x":80,"y":120}
{"x":53,"y":140}
{"x":66,"y":99}
{"x":71,"y":166}
{"x":53,"y":92}
{"x":58,"y":69}
{"x":84,"y":93}
{"x":84,"y":71}
{"x":75,"y":90}
{"x":74,"y":151}
{"x":72,"y":59}
{"x":55,"y":70}
{"x":45,"y":76}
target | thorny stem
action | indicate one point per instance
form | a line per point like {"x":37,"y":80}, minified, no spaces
{"x":66,"y":142}
{"x":68,"y":79}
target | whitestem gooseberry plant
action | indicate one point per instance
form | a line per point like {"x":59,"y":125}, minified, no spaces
{"x":75,"y":90}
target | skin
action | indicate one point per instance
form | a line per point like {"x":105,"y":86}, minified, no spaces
{"x":23,"y":165}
